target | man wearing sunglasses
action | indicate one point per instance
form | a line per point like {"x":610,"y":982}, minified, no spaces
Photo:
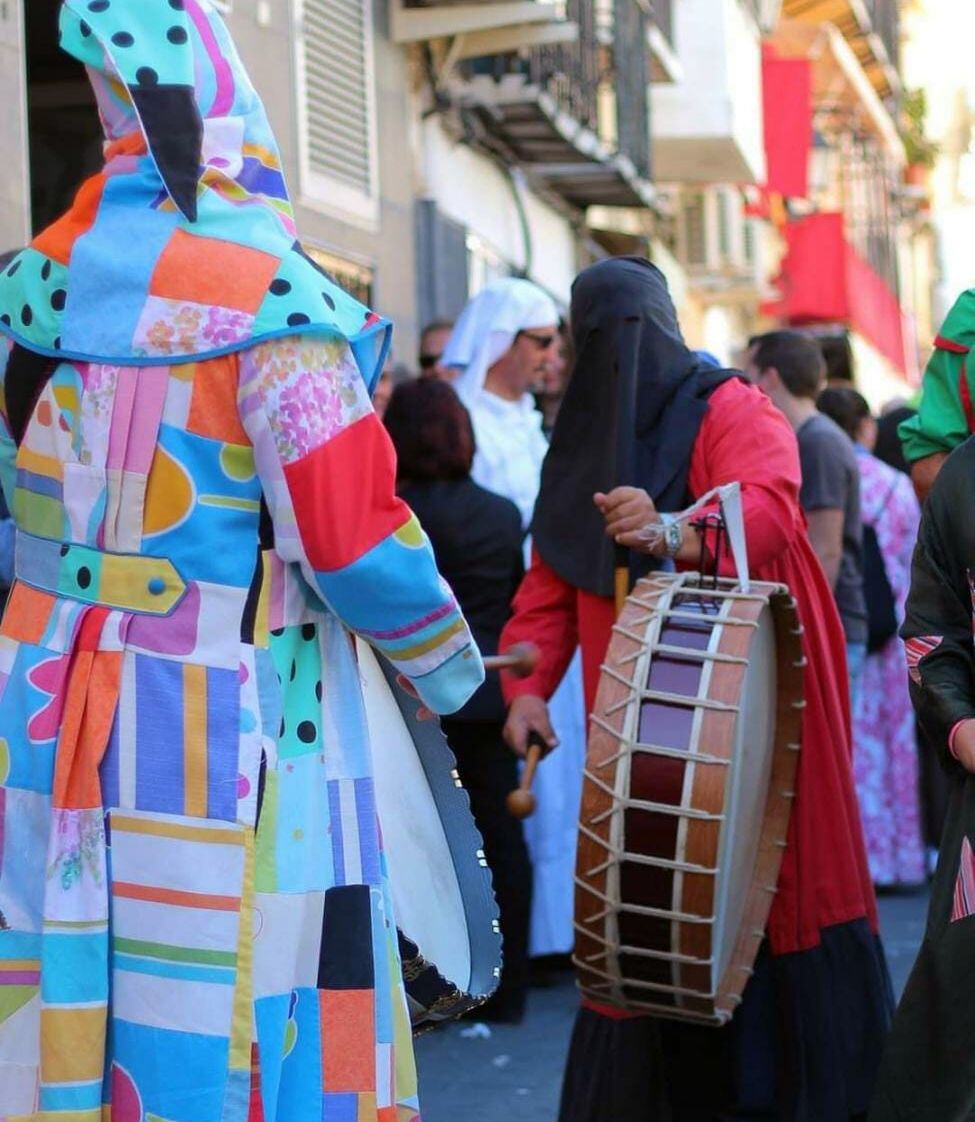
{"x":433,"y":343}
{"x":500,"y":348}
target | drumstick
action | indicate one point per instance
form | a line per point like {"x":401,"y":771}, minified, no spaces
{"x":521,"y":802}
{"x":519,"y":660}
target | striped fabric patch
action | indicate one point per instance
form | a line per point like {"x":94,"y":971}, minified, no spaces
{"x":917,"y":649}
{"x":964,"y":903}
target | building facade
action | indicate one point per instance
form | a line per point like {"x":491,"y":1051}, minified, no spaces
{"x":432,"y":145}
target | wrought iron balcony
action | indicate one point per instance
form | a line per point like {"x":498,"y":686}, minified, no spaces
{"x":574,"y":116}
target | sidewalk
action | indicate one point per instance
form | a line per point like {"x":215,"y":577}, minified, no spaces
{"x":514,"y":1075}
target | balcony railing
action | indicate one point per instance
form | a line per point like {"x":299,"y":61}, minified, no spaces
{"x":599,"y":81}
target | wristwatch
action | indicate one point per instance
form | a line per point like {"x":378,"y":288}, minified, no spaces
{"x":673,"y":534}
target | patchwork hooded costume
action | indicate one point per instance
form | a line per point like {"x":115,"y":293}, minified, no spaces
{"x":195,"y":921}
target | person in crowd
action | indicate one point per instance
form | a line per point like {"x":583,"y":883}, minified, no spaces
{"x":383,"y":393}
{"x":888,"y":446}
{"x":946,"y":416}
{"x":501,"y":346}
{"x":433,"y":343}
{"x":504,"y":342}
{"x":885,"y":752}
{"x":935,"y":784}
{"x":838,"y":356}
{"x":788,"y":366}
{"x":806,"y":1041}
{"x":477,"y":539}
{"x":928,"y":1071}
{"x":194,"y":908}
{"x":550,"y":388}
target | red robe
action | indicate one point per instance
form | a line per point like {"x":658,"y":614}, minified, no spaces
{"x":824,"y":878}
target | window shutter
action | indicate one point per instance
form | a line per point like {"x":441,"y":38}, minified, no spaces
{"x":337,"y":107}
{"x":694,"y":210}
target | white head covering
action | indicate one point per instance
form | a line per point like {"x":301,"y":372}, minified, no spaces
{"x":487,"y":328}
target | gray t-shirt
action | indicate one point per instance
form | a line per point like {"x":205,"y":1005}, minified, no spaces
{"x":831,"y":481}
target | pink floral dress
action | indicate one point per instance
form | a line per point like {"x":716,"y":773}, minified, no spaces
{"x":885,"y":749}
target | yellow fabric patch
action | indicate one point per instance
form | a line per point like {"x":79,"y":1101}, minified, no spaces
{"x":73,"y":1046}
{"x":411,"y":534}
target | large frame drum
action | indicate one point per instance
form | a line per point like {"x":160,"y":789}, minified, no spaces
{"x":443,"y":900}
{"x":688,"y":791}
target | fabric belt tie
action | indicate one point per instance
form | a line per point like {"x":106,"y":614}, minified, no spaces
{"x":128,"y":582}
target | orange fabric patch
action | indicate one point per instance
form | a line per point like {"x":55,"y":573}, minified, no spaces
{"x":210,"y":271}
{"x":86,"y":723}
{"x":57,"y":241}
{"x":344,"y":495}
{"x":213,"y":405}
{"x":173,"y":896}
{"x":28,"y":612}
{"x":348,"y":1022}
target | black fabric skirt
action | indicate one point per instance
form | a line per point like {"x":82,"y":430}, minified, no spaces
{"x":804,"y":1046}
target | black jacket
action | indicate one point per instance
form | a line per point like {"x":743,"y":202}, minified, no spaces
{"x":478,"y":542}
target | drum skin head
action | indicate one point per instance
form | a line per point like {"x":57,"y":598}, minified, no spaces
{"x":443,"y":900}
{"x":690,"y":774}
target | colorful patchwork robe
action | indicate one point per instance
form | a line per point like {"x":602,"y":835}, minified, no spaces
{"x":929,"y":1067}
{"x":195,"y":923}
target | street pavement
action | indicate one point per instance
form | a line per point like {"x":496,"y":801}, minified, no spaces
{"x":507,"y":1073}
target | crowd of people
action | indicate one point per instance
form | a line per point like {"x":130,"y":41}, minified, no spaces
{"x":196,"y":911}
{"x":793,"y":430}
{"x":859,"y":512}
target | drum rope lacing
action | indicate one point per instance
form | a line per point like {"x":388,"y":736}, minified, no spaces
{"x":654,"y":621}
{"x":646,"y":749}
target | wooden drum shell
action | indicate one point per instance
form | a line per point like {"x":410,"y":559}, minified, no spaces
{"x":647,"y":879}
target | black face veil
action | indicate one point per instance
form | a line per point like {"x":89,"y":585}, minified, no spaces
{"x":631,"y":414}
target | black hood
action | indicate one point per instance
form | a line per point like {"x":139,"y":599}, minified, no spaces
{"x":631,"y":414}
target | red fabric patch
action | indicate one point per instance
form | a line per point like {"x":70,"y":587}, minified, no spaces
{"x":255,"y":1110}
{"x":944,"y":344}
{"x":965,"y":393}
{"x":344,"y":495}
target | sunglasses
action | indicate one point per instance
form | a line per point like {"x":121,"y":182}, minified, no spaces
{"x":543,"y":342}
{"x":428,"y":362}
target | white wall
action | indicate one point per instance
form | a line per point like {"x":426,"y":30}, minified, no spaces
{"x":708,"y":127}
{"x":471,"y":190}
{"x":876,"y":378}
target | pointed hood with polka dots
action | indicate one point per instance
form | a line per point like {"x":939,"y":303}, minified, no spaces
{"x":184,"y":246}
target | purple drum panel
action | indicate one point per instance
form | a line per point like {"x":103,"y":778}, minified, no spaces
{"x":659,"y":779}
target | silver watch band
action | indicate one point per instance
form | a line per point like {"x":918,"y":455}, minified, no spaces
{"x":673,"y":534}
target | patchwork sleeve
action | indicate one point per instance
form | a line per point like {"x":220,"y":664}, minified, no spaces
{"x":938,"y":627}
{"x":329,"y":471}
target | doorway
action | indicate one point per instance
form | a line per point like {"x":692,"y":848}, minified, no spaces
{"x":64,"y":133}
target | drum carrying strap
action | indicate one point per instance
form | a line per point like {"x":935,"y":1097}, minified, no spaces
{"x":729,"y":498}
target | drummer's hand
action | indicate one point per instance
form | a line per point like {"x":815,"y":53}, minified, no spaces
{"x":627,"y":511}
{"x":963,"y":745}
{"x":528,"y":714}
{"x":423,"y":713}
